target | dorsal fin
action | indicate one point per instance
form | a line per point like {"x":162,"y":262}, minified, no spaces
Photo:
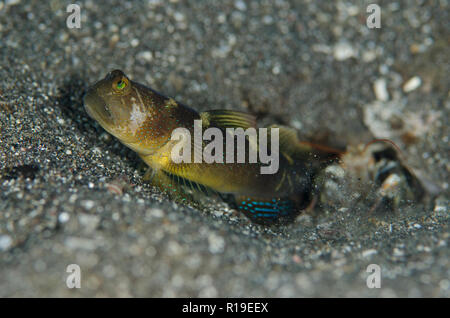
{"x":292,"y":147}
{"x":223,"y":118}
{"x":288,"y":141}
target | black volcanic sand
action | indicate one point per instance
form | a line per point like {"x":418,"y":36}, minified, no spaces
{"x":72,"y":194}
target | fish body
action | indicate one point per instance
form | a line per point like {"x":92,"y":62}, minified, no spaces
{"x":144,"y":120}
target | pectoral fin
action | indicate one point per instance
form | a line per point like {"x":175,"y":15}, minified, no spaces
{"x":179,"y":189}
{"x":168,"y":185}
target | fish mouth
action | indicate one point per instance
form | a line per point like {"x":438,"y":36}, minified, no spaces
{"x":97,"y":108}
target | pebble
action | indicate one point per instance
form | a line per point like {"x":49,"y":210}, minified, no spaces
{"x":156,"y":213}
{"x":5,"y":242}
{"x":412,"y":84}
{"x":63,"y":217}
{"x":380,"y":89}
{"x":145,"y":56}
{"x":88,"y":204}
{"x":343,"y":51}
{"x":398,"y":252}
{"x":335,"y":170}
{"x":370,"y":252}
{"x":240,"y":5}
{"x":134,"y":42}
{"x":80,"y":243}
{"x":89,"y":221}
{"x":216,"y":243}
{"x":12,"y":2}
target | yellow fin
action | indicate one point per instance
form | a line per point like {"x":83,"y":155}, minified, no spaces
{"x":288,"y":141}
{"x":168,"y":185}
{"x":292,"y":147}
{"x":228,"y":119}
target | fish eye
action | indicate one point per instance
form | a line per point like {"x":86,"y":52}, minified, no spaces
{"x":121,"y":84}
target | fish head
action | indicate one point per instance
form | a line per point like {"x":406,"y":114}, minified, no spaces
{"x":128,"y":110}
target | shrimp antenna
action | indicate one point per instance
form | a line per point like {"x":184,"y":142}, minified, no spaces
{"x":322,"y":148}
{"x":386,"y":141}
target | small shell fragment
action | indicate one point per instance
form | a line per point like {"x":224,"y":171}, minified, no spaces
{"x":380,"y":89}
{"x":412,"y":84}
